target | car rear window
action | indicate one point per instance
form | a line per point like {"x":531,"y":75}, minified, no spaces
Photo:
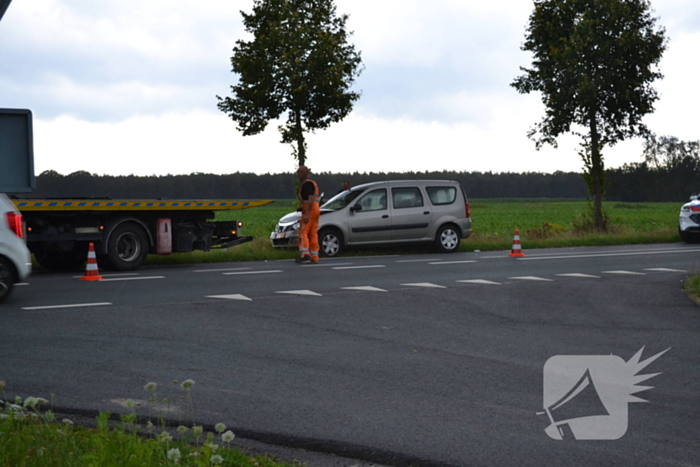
{"x":442,"y":194}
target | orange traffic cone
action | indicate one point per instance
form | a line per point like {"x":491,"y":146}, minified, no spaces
{"x":516,"y":250}
{"x":91,"y":271}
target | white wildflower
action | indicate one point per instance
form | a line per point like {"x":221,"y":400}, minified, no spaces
{"x":197,"y":430}
{"x":228,"y":436}
{"x":150,"y":386}
{"x":182,"y":429}
{"x":2,"y":385}
{"x":220,"y":427}
{"x":164,"y":437}
{"x":129,"y":404}
{"x":49,"y":416}
{"x":42,"y":401}
{"x":4,"y":416}
{"x":174,"y":455}
{"x":150,"y":426}
{"x":187,"y":384}
{"x":216,"y":459}
{"x":212,"y":446}
{"x":31,"y":402}
{"x":67,"y":421}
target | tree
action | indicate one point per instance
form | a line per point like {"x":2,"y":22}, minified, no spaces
{"x":594,"y":62}
{"x":298,"y":62}
{"x":669,"y":152}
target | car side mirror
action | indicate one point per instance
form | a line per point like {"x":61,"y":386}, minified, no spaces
{"x":355,"y":208}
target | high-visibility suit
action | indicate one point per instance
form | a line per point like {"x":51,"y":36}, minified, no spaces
{"x":308,"y":226}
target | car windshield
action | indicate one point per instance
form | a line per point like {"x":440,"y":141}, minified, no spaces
{"x":341,"y":200}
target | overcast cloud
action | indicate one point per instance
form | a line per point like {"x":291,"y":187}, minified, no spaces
{"x":128,"y":86}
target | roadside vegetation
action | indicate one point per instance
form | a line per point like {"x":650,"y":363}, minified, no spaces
{"x":543,"y":223}
{"x":31,"y":434}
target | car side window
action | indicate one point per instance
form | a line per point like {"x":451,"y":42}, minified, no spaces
{"x":373,"y":201}
{"x":410,"y":197}
{"x":442,"y":194}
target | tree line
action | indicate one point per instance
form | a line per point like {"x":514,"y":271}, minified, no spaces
{"x":633,"y":182}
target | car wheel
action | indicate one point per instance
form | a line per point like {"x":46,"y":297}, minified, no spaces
{"x":331,"y":242}
{"x":127,"y":247}
{"x":447,"y":239}
{"x":8,"y":276}
{"x":688,"y":237}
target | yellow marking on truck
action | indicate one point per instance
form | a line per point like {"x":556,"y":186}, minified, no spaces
{"x":135,"y":205}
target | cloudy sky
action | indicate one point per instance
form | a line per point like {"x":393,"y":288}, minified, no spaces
{"x":128,"y":87}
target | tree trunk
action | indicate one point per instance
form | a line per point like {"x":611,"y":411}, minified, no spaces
{"x":301,"y":144}
{"x":597,"y":175}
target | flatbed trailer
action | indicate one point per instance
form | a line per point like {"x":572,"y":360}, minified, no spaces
{"x":124,"y":232}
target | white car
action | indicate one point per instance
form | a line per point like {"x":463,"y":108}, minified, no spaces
{"x":15,"y":259}
{"x":433,"y":212}
{"x":689,"y":221}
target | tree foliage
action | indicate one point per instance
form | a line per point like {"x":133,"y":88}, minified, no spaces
{"x":299,"y":63}
{"x":594,"y":62}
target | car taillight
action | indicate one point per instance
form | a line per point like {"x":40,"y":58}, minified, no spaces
{"x":467,"y":212}
{"x":14,"y":220}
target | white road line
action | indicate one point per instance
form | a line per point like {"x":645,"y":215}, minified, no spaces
{"x":367,"y":288}
{"x":531,"y":278}
{"x":22,"y":283}
{"x":480,"y":281}
{"x":665,"y":270}
{"x":113,"y":275}
{"x":453,"y":262}
{"x":300,"y":292}
{"x":361,"y":267}
{"x":426,"y":284}
{"x":271,"y":271}
{"x":231,"y":297}
{"x":576,"y":274}
{"x":73,"y":305}
{"x":138,"y":278}
{"x":222,"y":270}
{"x":599,"y":255}
{"x":321,"y":264}
{"x":630,"y":273}
{"x":417,"y":260}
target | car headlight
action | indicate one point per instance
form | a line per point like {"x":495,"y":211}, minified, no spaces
{"x":685,"y":209}
{"x":295,"y":226}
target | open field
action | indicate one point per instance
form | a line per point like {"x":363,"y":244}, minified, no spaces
{"x":543,"y":223}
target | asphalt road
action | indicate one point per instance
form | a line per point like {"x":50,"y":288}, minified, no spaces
{"x":397,"y":360}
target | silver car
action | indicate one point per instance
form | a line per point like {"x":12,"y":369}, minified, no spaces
{"x":387,"y":213}
{"x":15,"y":259}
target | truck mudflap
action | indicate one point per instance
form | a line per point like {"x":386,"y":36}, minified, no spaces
{"x":238,"y":241}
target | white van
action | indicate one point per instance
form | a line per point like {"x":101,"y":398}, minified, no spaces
{"x":15,"y":259}
{"x":387,"y":213}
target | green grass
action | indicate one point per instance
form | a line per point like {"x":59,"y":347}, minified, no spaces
{"x":543,"y":223}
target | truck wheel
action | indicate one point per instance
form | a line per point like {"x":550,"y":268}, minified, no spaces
{"x":331,"y":242}
{"x":127,"y":247}
{"x":63,"y":260}
{"x":447,"y":239}
{"x":688,"y":237}
{"x":8,"y":276}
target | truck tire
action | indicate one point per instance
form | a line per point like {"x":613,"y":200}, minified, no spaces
{"x":330,"y":241}
{"x":8,"y":277}
{"x":447,"y":239}
{"x":63,"y":260}
{"x":127,"y":247}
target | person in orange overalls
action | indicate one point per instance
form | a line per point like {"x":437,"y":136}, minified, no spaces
{"x":310,"y":212}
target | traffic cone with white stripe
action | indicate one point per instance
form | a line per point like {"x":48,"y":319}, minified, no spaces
{"x":91,"y":271}
{"x":516,"y":251}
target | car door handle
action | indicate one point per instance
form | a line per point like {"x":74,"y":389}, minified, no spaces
{"x":426,"y":212}
{"x":385,"y":216}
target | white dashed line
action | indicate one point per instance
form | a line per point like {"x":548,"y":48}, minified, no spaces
{"x":601,"y":255}
{"x":231,"y":297}
{"x":417,"y":260}
{"x":630,"y":273}
{"x":300,"y":292}
{"x":480,"y":281}
{"x":271,"y":271}
{"x":361,"y":267}
{"x":322,"y":264}
{"x":221,"y":270}
{"x":453,"y":262}
{"x":426,"y":284}
{"x":576,"y":274}
{"x":73,"y":305}
{"x":367,"y":288}
{"x":137,"y":278}
{"x":531,"y":278}
{"x":665,"y":270}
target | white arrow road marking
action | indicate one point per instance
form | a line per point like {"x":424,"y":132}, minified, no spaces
{"x":576,"y":274}
{"x":624,"y":272}
{"x":531,"y":278}
{"x":453,"y":262}
{"x":252,"y":272}
{"x":480,"y":281}
{"x":665,"y":270}
{"x":73,"y":305}
{"x":426,"y":284}
{"x":231,"y":297}
{"x":300,"y":292}
{"x":367,"y":288}
{"x":363,"y":267}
